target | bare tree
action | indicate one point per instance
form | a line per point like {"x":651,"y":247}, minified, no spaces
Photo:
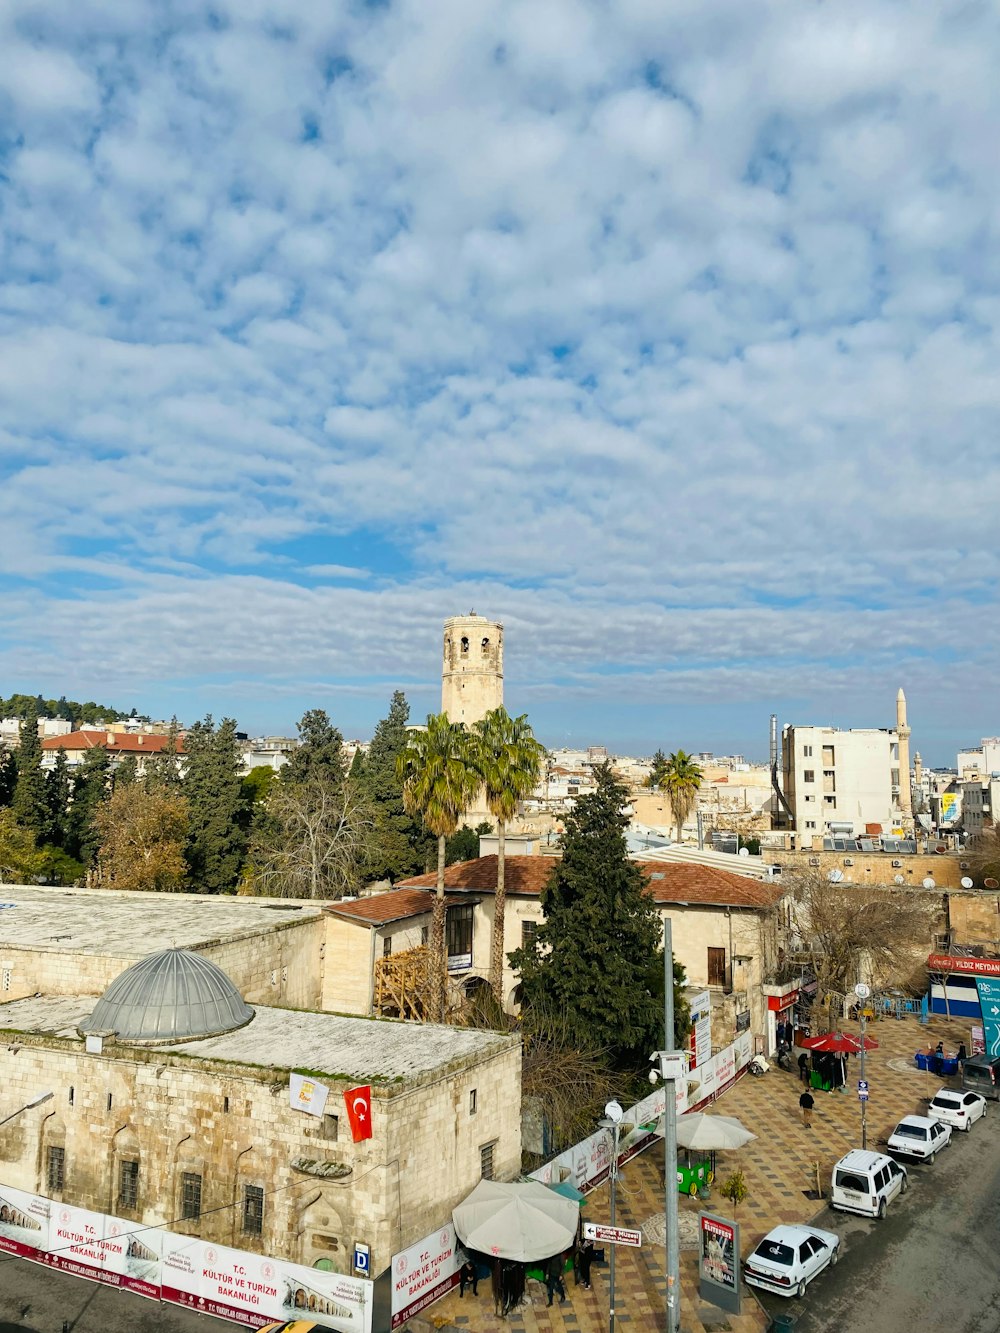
{"x":314,"y":842}
{"x":849,"y":932}
{"x":984,"y":855}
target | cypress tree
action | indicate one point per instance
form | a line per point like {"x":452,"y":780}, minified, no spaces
{"x":218,"y":808}
{"x":320,"y":753}
{"x":593,"y":955}
{"x":58,"y":788}
{"x":29,"y":804}
{"x":8,"y":778}
{"x":400,"y":845}
{"x":91,"y":783}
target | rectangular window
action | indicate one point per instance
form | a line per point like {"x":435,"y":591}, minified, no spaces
{"x":529,"y":929}
{"x":331,"y":1128}
{"x":128,"y":1184}
{"x":55,"y":1169}
{"x":829,"y":800}
{"x":386,"y":946}
{"x":190,"y":1194}
{"x":472,"y":1102}
{"x":810,"y":823}
{"x":253,"y":1210}
{"x":716,"y":967}
{"x":807,"y":752}
{"x":458,"y":937}
{"x":486,"y":1160}
{"x":425,"y":934}
{"x":828,"y":756}
{"x":809,"y":775}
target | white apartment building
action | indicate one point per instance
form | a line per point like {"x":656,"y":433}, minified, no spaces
{"x":977,"y":765}
{"x":840,"y":781}
{"x":979,"y":801}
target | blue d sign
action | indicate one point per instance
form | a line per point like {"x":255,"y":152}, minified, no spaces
{"x":361,"y":1257}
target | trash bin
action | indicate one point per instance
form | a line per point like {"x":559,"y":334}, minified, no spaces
{"x":921,"y":1060}
{"x":949,"y":1068}
{"x":782,"y":1323}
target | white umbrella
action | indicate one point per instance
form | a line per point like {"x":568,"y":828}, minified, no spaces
{"x":709,"y":1132}
{"x":523,"y":1220}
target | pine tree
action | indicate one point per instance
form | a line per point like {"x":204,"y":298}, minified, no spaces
{"x":8,"y":778}
{"x":218,"y":810}
{"x":127,"y":772}
{"x":58,"y":788}
{"x":320,"y":753}
{"x":399,"y":844}
{"x":90,"y":786}
{"x":592,"y":954}
{"x":29,"y":804}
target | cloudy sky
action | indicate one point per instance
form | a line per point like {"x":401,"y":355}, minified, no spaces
{"x":665,"y":331}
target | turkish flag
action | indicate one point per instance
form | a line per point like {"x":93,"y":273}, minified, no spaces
{"x":359,"y":1112}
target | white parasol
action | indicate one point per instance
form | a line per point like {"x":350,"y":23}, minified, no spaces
{"x":709,"y":1132}
{"x":522,"y":1220}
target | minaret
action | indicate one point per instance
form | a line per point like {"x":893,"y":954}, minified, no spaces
{"x":903,"y":733}
{"x":472,"y":672}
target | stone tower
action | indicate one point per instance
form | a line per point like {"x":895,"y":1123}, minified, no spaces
{"x":903,"y":734}
{"x":472,"y":673}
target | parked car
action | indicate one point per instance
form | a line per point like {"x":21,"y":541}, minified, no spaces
{"x":956,"y":1108}
{"x":866,"y":1182}
{"x":919,"y":1136}
{"x":788,"y":1258}
{"x":982,"y":1074}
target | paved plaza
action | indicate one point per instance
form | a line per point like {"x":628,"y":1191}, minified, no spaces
{"x":780,"y":1168}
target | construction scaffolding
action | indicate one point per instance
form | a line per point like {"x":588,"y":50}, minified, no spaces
{"x":403,"y":984}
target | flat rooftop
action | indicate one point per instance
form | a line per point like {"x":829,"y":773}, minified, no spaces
{"x":367,"y":1050}
{"x":115,"y":924}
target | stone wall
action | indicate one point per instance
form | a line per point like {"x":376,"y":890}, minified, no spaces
{"x":873,"y":867}
{"x":233,"y":1126}
{"x":348,"y":967}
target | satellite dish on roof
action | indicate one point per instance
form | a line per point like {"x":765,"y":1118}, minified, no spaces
{"x":744,"y":851}
{"x":898,"y":879}
{"x":929,"y":883}
{"x":991,"y":883}
{"x":966,"y":882}
{"x":835,"y":876}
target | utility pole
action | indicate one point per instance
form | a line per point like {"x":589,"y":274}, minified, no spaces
{"x":863,"y":992}
{"x":612,"y":1119}
{"x":670,"y":1239}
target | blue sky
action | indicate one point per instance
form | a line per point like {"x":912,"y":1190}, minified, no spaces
{"x":667,"y":334}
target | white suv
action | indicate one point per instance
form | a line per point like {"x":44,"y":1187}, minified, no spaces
{"x":866,"y":1182}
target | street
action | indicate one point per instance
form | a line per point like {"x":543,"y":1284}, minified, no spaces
{"x":930,"y":1264}
{"x":33,"y":1299}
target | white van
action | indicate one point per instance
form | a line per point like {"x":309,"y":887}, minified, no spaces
{"x":866,"y":1182}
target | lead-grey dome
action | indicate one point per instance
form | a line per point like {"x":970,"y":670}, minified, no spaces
{"x":175,"y":995}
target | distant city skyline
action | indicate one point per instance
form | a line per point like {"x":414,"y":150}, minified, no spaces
{"x":667,"y":335}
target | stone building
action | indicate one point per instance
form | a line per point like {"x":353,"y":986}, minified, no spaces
{"x":472,"y":670}
{"x":172,"y":1103}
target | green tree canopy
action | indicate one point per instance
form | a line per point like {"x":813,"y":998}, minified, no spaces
{"x":320,"y":752}
{"x":29,"y":803}
{"x":218,"y":811}
{"x":91,"y":782}
{"x":658,"y":770}
{"x":593,"y":953}
{"x":58,"y":791}
{"x":399,"y":843}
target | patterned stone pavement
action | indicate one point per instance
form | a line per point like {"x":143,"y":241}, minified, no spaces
{"x":780,"y":1168}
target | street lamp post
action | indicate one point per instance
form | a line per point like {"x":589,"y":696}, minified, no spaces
{"x":35,"y":1101}
{"x":863,"y":992}
{"x":612,"y":1119}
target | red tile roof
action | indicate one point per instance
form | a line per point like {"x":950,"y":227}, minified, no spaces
{"x":394,"y":905}
{"x":120,"y":742}
{"x":680,"y":882}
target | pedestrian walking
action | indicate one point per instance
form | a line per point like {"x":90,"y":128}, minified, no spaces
{"x":554,"y":1278}
{"x":584,"y":1258}
{"x":962,"y":1055}
{"x":806,"y":1104}
{"x":467,"y":1276}
{"x":803,"y":1068}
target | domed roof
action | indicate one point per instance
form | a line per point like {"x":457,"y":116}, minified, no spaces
{"x":175,"y":995}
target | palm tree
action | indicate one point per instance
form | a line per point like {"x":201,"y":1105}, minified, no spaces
{"x":508,"y":760}
{"x":439,"y":785}
{"x":681,"y":780}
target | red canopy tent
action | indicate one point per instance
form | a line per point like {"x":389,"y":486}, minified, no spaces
{"x":840,"y":1043}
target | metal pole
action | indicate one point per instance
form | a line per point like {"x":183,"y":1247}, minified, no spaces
{"x":864,"y":1102}
{"x":614,"y":1198}
{"x":670,"y":1141}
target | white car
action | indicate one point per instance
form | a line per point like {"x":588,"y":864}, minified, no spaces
{"x":788,"y":1258}
{"x":957,"y":1108}
{"x":919,"y":1136}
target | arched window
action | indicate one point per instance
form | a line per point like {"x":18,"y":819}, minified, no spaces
{"x":465,"y":646}
{"x":486,"y":647}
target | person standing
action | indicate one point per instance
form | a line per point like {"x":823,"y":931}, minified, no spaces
{"x":806,"y":1105}
{"x":803,"y":1068}
{"x":554,"y":1278}
{"x":584,"y":1258}
{"x":961,"y":1056}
